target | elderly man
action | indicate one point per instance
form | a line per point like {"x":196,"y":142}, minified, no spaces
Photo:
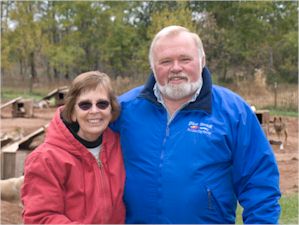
{"x":192,"y":150}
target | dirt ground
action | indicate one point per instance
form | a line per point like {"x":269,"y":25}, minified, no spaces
{"x":287,"y":158}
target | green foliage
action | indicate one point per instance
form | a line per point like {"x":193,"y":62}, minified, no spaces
{"x":178,"y":15}
{"x":60,"y":39}
{"x":287,"y":60}
{"x":120,"y":41}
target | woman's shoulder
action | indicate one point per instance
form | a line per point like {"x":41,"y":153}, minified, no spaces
{"x":47,"y":152}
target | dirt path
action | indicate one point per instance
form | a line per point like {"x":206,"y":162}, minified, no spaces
{"x":287,"y":159}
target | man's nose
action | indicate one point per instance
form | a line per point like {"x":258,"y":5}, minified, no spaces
{"x":176,"y":67}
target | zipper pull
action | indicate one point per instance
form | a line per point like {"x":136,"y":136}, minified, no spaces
{"x":100,"y":163}
{"x":210,"y":205}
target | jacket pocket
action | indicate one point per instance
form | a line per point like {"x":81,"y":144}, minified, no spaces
{"x":212,"y":203}
{"x":215,"y":205}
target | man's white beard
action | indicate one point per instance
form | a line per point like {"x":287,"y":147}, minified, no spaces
{"x":180,"y":91}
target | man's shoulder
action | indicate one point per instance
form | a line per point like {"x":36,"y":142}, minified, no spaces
{"x":227,"y":98}
{"x":130,"y":95}
{"x":226,"y":93}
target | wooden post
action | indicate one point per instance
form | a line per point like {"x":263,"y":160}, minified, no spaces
{"x":275,"y":95}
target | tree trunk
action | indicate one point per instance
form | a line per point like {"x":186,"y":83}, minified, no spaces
{"x":33,"y":76}
{"x":48,"y":69}
{"x":270,"y":59}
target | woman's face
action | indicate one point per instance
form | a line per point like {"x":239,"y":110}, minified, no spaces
{"x":92,"y":111}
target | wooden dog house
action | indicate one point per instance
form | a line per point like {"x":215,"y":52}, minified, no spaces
{"x":13,"y":156}
{"x":58,"y":94}
{"x":22,"y":108}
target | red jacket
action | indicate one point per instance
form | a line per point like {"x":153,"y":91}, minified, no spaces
{"x":64,"y":183}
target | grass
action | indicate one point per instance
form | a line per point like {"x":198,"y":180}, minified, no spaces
{"x":9,"y":93}
{"x":38,"y":94}
{"x":289,"y":210}
{"x":283,"y":112}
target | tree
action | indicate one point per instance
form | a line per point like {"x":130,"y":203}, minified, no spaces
{"x":65,"y":38}
{"x":25,"y":42}
{"x":251,"y":34}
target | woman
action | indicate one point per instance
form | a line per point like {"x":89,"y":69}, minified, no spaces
{"x":77,"y":174}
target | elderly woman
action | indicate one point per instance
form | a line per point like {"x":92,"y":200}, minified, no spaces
{"x":77,"y":175}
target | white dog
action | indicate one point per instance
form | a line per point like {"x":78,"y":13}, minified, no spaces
{"x":10,"y":189}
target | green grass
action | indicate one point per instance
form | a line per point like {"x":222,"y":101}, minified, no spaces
{"x":239,"y":215}
{"x":283,"y":112}
{"x":289,"y":210}
{"x":9,"y":93}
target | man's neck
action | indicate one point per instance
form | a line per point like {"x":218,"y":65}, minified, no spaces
{"x":173,"y":105}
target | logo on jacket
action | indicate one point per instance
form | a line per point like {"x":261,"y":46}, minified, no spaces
{"x":201,"y":128}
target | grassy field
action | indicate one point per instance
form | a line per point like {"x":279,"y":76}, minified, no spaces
{"x":8,"y":93}
{"x":283,"y":99}
{"x":289,"y":210}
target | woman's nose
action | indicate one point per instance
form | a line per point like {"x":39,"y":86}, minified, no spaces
{"x":94,"y":108}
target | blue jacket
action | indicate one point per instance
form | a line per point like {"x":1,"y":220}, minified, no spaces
{"x":195,"y":169}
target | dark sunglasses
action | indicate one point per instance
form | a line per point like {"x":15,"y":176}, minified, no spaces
{"x":86,"y":105}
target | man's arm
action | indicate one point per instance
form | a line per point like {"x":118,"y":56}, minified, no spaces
{"x":256,"y":175}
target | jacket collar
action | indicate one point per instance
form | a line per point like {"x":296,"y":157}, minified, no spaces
{"x":202,"y":102}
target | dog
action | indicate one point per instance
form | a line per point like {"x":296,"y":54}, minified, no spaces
{"x":280,"y":128}
{"x":42,"y":104}
{"x":10,"y":189}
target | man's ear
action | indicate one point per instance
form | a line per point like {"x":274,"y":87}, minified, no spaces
{"x":202,"y":56}
{"x":203,"y":61}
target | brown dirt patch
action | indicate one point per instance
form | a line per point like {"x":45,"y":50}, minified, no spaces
{"x":287,"y":159}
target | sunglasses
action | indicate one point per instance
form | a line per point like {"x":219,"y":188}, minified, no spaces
{"x":86,"y":105}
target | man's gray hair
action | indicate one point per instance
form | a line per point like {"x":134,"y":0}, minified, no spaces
{"x":174,"y":30}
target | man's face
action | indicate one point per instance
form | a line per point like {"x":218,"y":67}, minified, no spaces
{"x":177,"y":66}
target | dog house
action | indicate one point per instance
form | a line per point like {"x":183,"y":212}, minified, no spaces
{"x":13,"y":156}
{"x":22,"y":108}
{"x":263,"y":117}
{"x":58,"y":94}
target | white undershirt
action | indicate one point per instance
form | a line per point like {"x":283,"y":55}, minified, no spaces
{"x":95,"y":151}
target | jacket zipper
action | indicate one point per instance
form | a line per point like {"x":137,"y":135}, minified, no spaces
{"x":166,"y":134}
{"x":100,"y":164}
{"x":102,"y":177}
{"x":210,"y":205}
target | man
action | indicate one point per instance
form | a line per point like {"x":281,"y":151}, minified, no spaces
{"x":193,"y":149}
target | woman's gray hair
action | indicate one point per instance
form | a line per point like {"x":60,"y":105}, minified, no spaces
{"x":173,"y":31}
